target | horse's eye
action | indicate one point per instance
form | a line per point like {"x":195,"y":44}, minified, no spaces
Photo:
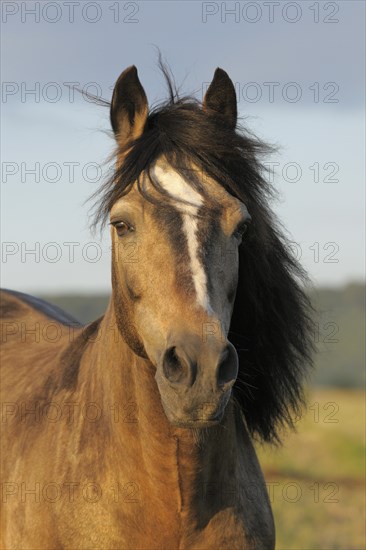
{"x":121,"y":227}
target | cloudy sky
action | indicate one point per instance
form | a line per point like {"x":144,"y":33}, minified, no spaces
{"x":299,"y":72}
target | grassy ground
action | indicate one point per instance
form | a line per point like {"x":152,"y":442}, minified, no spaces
{"x":316,"y":480}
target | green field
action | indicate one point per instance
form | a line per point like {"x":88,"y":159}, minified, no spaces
{"x":316,"y":480}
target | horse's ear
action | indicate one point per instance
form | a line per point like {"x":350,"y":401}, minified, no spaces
{"x":221,"y":97}
{"x":129,"y":107}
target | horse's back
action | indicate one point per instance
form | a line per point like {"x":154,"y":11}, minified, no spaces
{"x":16,"y":306}
{"x":33,"y":334}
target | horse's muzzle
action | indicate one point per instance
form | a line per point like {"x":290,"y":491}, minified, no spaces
{"x":195,"y":381}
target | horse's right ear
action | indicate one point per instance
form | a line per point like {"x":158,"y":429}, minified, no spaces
{"x":129,"y":107}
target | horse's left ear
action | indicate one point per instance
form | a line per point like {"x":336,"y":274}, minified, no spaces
{"x":129,"y":107}
{"x":221,"y":97}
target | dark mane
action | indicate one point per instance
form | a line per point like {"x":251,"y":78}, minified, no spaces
{"x":270,"y":326}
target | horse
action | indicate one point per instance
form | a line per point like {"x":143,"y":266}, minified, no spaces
{"x":137,"y":431}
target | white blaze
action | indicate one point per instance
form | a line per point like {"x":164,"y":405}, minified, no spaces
{"x":179,"y":189}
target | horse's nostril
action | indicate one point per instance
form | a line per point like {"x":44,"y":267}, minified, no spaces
{"x":228,"y":366}
{"x":173,"y":366}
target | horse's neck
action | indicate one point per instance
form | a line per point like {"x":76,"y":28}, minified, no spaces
{"x":127,"y":393}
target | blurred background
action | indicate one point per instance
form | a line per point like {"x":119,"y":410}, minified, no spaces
{"x":299,"y":72}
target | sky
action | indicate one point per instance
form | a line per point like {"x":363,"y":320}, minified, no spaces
{"x":299,"y":72}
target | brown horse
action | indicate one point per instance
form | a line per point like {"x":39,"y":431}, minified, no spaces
{"x":135,"y":432}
